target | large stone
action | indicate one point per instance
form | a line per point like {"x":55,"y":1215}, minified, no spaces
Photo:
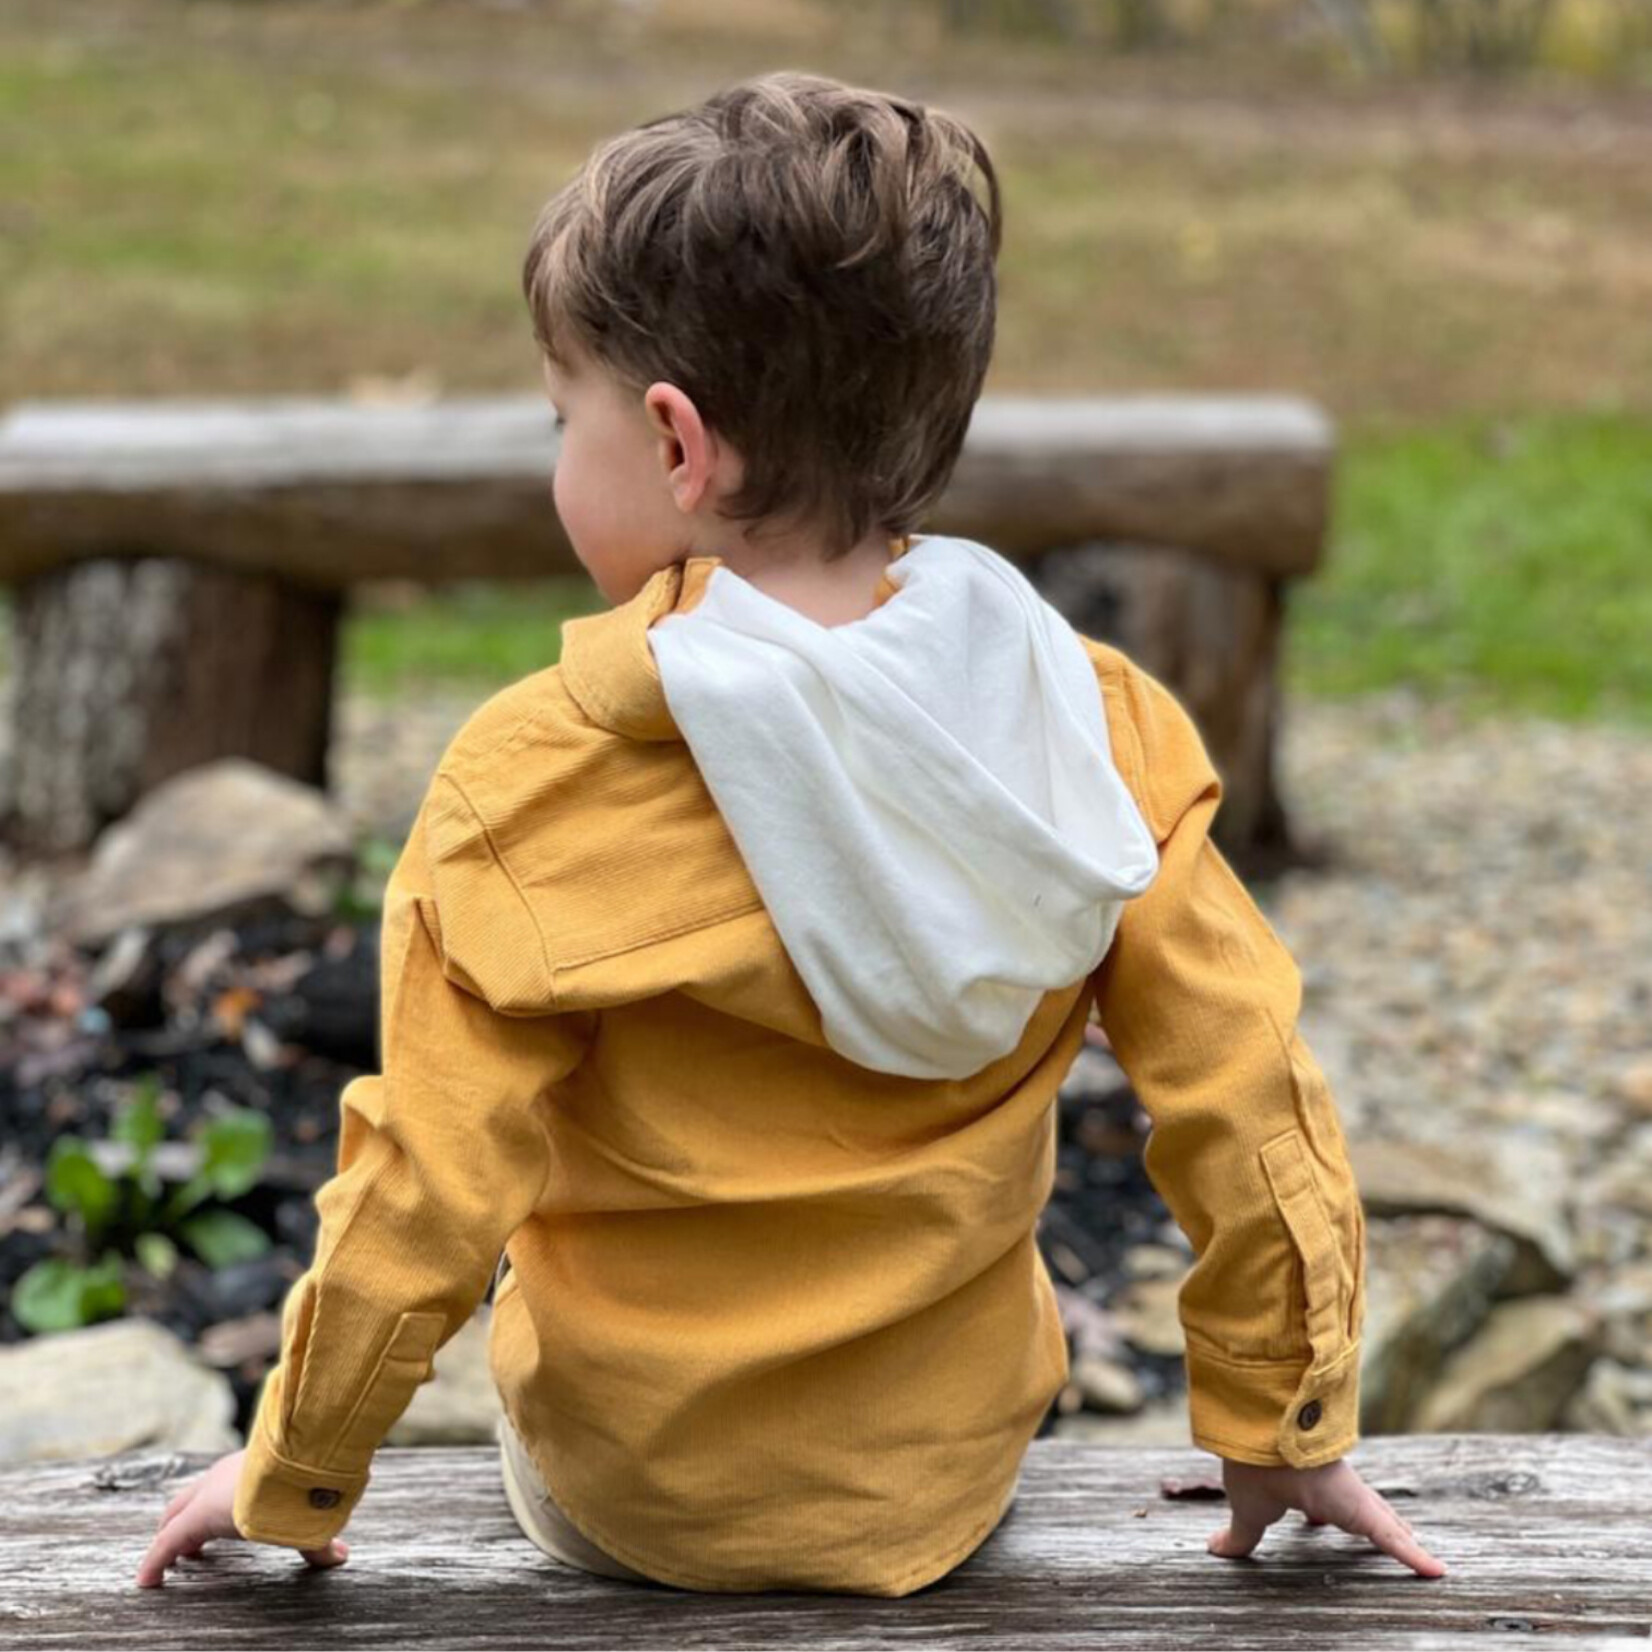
{"x":1518,"y":1373}
{"x":1624,"y":1182}
{"x":1106,"y":1385}
{"x":110,"y":1388}
{"x":1148,"y":1314}
{"x":1430,"y":1284}
{"x":210,"y":845}
{"x":1517,"y":1188}
{"x":1156,"y":1262}
{"x":1606,"y":1404}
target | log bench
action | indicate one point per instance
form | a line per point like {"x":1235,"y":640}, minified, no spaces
{"x":1545,"y":1535}
{"x":179,"y":569}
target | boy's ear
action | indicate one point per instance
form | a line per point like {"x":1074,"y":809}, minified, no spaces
{"x":665,"y":414}
{"x":689,"y":452}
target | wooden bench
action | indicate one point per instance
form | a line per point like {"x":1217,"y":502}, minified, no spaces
{"x":179,"y":569}
{"x":1542,"y":1536}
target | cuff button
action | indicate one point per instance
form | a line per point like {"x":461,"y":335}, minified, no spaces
{"x":322,"y":1497}
{"x":1308,"y":1416}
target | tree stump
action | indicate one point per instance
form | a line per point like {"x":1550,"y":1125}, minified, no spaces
{"x":1211,"y":633}
{"x":128,"y":670}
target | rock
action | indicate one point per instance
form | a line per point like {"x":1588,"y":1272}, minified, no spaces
{"x":199,"y":1296}
{"x":1430,"y":1282}
{"x":1155,"y":1262}
{"x":1625,"y":1182}
{"x":1091,"y":1328}
{"x":1605,"y":1403}
{"x":1147,"y":1313}
{"x":1609,"y":1234}
{"x":107,"y":1389}
{"x":1633,"y":1084}
{"x":1095,"y":1073}
{"x":1517,"y":1374}
{"x":243,"y":1288}
{"x":126,"y":983}
{"x":1106,"y":1385}
{"x":209,"y":844}
{"x":1515,"y":1188}
{"x":1626,"y":1291}
{"x":460,"y":1404}
{"x":233,"y":1342}
{"x":1636,"y":1381}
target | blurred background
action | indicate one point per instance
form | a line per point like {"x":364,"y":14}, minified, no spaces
{"x":1431,"y":220}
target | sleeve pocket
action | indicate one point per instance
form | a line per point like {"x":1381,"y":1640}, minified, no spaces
{"x":1291,"y":1178}
{"x":407,"y":1361}
{"x":297,"y":1318}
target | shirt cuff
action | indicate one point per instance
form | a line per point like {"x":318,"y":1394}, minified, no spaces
{"x":280,"y":1501}
{"x":1274,"y":1413}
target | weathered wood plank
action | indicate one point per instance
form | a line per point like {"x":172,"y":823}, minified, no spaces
{"x":1542,"y":1534}
{"x":329,"y":493}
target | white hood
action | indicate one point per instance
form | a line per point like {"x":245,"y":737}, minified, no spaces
{"x":925,"y":798}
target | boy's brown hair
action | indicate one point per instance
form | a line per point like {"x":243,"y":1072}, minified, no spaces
{"x":809,"y":263}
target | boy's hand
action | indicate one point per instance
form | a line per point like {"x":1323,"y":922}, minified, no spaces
{"x":1332,"y":1494}
{"x":201,"y":1512}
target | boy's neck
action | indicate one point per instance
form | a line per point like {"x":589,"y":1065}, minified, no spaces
{"x":829,"y":593}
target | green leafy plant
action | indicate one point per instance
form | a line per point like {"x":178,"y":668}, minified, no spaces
{"x":134,"y":1210}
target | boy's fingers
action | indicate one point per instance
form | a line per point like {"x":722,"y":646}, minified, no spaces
{"x":334,"y":1554}
{"x":1376,"y":1521}
{"x":1244,"y":1531}
{"x":177,"y":1505}
{"x":1235,"y":1539}
{"x":1395,"y":1515}
{"x":181,"y":1536}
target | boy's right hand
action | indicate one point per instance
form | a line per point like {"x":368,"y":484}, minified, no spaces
{"x":1332,"y":1494}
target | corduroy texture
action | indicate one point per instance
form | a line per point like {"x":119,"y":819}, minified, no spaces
{"x":774,"y":1321}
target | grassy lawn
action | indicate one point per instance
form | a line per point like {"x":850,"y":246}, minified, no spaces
{"x":480,"y":633}
{"x":1505,"y":561}
{"x":202,"y":197}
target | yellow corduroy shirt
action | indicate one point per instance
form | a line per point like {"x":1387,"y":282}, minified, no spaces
{"x":773,"y":1320}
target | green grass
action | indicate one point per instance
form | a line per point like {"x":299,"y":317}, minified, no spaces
{"x":478,"y":633}
{"x":1507,"y":562}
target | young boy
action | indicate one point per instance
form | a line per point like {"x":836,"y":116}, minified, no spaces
{"x":733,"y":963}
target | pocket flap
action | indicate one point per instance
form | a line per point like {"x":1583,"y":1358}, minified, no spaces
{"x":405,"y":1363}
{"x":1291,"y":1177}
{"x":416,"y":1337}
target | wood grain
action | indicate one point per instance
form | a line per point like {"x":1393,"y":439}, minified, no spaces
{"x":1543,"y":1535}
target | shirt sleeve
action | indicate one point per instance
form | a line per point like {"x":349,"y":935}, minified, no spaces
{"x":442,"y":1155}
{"x":1199,"y":999}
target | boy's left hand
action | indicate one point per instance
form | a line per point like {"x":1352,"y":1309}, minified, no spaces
{"x":201,"y":1512}
{"x":1332,"y":1494}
